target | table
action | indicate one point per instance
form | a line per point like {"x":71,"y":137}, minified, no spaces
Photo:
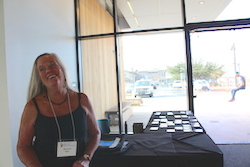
{"x":164,"y":150}
{"x":188,"y":146}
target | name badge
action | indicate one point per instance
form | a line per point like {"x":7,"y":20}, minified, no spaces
{"x":66,"y":148}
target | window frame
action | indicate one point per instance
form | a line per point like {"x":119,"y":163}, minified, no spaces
{"x":187,"y":28}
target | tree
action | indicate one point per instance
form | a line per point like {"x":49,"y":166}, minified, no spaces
{"x":201,"y":70}
{"x":176,"y":71}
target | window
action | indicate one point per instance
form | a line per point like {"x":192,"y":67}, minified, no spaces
{"x":148,"y":41}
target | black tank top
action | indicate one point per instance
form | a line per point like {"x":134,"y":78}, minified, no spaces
{"x":46,"y":137}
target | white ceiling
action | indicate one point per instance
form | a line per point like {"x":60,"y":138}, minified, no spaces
{"x":167,"y":13}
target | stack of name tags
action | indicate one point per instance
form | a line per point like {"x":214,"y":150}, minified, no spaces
{"x":173,"y":122}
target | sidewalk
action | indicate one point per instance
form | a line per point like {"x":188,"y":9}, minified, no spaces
{"x":225,"y":122}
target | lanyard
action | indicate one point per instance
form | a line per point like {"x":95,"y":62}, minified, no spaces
{"x":56,"y":120}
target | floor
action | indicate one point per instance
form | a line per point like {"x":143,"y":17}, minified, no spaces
{"x":235,"y":155}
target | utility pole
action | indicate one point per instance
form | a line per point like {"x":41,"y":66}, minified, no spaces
{"x":233,"y":48}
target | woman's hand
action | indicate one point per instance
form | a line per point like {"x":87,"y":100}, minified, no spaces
{"x":81,"y":163}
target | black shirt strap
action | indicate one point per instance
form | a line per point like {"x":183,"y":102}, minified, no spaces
{"x":79,"y":98}
{"x":34,"y":100}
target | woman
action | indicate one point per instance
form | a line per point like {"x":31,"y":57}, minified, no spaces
{"x":58,"y":126}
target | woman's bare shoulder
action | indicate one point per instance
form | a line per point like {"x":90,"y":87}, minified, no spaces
{"x":31,"y":107}
{"x":85,"y":102}
{"x":29,"y":113}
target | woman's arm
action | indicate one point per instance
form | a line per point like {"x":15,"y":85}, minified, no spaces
{"x":93,"y":130}
{"x":25,"y":138}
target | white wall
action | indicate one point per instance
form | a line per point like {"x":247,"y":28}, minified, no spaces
{"x":5,"y":144}
{"x":31,"y":27}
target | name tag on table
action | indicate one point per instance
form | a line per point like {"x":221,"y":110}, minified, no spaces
{"x":66,"y":148}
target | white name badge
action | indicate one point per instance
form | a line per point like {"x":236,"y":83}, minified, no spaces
{"x":66,"y":148}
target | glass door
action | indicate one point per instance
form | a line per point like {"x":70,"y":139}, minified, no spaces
{"x":154,"y":75}
{"x":216,"y":56}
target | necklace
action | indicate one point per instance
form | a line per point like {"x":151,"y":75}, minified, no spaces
{"x":57,"y":103}
{"x":57,"y":123}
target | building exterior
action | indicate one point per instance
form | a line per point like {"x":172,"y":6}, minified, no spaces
{"x":130,"y":77}
{"x":157,"y":76}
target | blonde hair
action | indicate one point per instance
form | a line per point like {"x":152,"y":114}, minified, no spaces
{"x":36,"y":86}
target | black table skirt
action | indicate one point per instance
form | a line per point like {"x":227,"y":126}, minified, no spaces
{"x":164,"y":150}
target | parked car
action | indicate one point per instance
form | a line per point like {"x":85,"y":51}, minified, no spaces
{"x":129,"y":88}
{"x":177,"y":84}
{"x":201,"y":85}
{"x":143,"y":87}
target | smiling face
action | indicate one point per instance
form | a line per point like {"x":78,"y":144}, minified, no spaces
{"x":50,"y":72}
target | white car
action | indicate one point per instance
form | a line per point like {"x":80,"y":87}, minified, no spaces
{"x":201,"y":85}
{"x":143,"y":87}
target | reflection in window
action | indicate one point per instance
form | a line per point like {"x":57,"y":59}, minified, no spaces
{"x":141,"y":14}
{"x":236,"y":9}
{"x":207,"y":10}
{"x":95,"y":17}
